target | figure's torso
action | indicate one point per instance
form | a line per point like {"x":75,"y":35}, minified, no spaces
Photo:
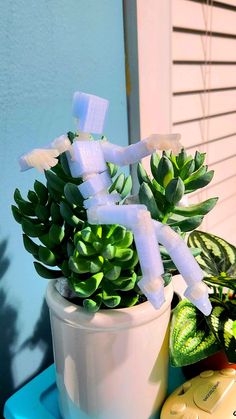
{"x":87,"y":158}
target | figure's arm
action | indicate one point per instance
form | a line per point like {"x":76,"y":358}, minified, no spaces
{"x":45,"y":158}
{"x":131,"y":154}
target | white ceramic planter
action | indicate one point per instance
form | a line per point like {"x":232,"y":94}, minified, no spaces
{"x":111,"y":365}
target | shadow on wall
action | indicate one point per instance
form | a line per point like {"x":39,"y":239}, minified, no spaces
{"x":8,"y":317}
{"x":41,"y":338}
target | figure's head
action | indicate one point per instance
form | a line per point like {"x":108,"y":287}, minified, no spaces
{"x":90,"y":112}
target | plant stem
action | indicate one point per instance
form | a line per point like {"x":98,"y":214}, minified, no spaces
{"x":165,"y":218}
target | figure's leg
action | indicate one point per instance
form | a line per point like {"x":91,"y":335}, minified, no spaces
{"x":137,"y":219}
{"x":197,"y":291}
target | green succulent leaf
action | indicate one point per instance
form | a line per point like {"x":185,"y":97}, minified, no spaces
{"x":46,"y":272}
{"x":65,"y":166}
{"x":87,"y":234}
{"x":181,"y":159}
{"x":198,"y":183}
{"x":128,"y":264}
{"x":45,"y":240}
{"x":197,"y":209}
{"x":125,"y":283}
{"x":92,"y":305}
{"x":85,"y":249}
{"x":190,"y":337}
{"x":69,"y":216}
{"x":71,"y":136}
{"x":55,"y":214}
{"x":33,"y":197}
{"x":109,"y":251}
{"x":188,"y":224}
{"x":26,"y":207}
{"x":199,"y":159}
{"x":123,"y":254}
{"x":112,"y":272}
{"x":33,"y":230}
{"x":96,"y":264}
{"x":187,"y":169}
{"x":127,"y":186}
{"x":56,"y":233}
{"x":16,"y":214}
{"x":174,"y":191}
{"x":113,"y":169}
{"x":79,"y":266}
{"x":70,"y":248}
{"x":41,"y":192}
{"x":110,"y":298}
{"x":118,"y":184}
{"x":146,"y":197}
{"x":165,"y":171}
{"x":195,"y":175}
{"x":46,"y":256}
{"x":86,"y":288}
{"x":115,"y":233}
{"x":169,"y":265}
{"x":73,"y":195}
{"x":30,"y":246}
{"x":129,"y":300}
{"x":142,"y":174}
{"x":55,"y":182}
{"x":126,"y":241}
{"x":42,"y":212}
{"x":84,"y":265}
{"x":154,"y":161}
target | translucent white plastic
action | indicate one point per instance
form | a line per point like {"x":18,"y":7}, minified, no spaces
{"x":90,"y":112}
{"x":88,"y":159}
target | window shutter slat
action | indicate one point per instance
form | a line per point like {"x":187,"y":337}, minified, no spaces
{"x":187,"y":107}
{"x":204,"y":99}
{"x":187,"y":14}
{"x":217,"y":150}
{"x":192,"y":77}
{"x":191,"y":47}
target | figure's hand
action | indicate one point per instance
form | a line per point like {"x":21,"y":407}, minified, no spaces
{"x":163,"y":142}
{"x":41,"y":159}
{"x":61,"y":144}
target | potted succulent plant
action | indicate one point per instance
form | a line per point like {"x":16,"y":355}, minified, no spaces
{"x":121,"y":340}
{"x":208,"y":341}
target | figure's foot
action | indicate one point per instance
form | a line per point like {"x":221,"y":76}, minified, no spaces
{"x":198,"y":295}
{"x":153,"y":290}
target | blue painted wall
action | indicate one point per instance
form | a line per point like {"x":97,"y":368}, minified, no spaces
{"x":48,"y":50}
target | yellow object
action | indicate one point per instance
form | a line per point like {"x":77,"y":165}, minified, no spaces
{"x":209,"y":395}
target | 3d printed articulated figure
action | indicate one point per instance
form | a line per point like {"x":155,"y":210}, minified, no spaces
{"x":87,"y":159}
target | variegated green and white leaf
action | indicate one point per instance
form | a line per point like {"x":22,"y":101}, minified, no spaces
{"x":217,"y":254}
{"x":190,"y":338}
{"x":222,"y":321}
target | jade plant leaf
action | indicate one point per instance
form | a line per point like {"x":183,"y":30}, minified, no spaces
{"x":93,"y":304}
{"x":46,"y":272}
{"x":89,"y":286}
{"x":190,"y":338}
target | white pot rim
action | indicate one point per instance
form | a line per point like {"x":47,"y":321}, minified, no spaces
{"x":110,"y":319}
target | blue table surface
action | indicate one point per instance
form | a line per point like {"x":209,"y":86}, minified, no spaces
{"x":38,"y":398}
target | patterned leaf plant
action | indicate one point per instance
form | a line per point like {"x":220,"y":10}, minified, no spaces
{"x":100,"y":263}
{"x":193,"y":336}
